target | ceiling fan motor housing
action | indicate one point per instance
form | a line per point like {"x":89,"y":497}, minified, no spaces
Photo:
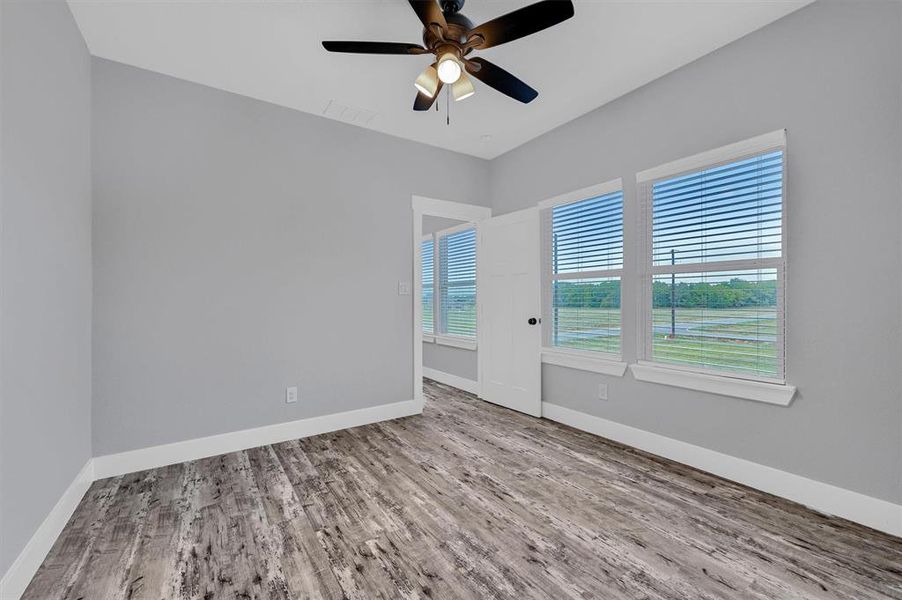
{"x":449,"y":7}
{"x":456,"y":33}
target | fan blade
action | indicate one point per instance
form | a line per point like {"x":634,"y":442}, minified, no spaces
{"x":429,"y":12}
{"x":522,"y":22}
{"x":496,"y":77}
{"x":424,"y":102}
{"x":374,"y":47}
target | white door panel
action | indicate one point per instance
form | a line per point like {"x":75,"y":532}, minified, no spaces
{"x":509,"y":296}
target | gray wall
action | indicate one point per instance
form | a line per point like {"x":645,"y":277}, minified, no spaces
{"x":832,"y":75}
{"x":449,"y":359}
{"x":433,"y":224}
{"x":45,"y":264}
{"x":241,"y":248}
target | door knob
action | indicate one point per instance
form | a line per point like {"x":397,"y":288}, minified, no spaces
{"x":532,"y":320}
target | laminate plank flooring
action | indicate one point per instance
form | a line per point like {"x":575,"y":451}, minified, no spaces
{"x":469,"y":501}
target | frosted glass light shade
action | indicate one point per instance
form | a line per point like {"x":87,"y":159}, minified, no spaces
{"x":427,"y":81}
{"x":448,"y":68}
{"x":462,"y":88}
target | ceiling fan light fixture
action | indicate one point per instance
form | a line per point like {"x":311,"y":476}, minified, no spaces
{"x":450,"y":36}
{"x":427,"y":81}
{"x":449,"y":69}
{"x":462,"y":88}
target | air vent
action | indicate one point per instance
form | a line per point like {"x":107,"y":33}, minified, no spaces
{"x":348,"y":114}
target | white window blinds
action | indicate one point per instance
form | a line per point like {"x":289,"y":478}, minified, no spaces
{"x":457,"y":283}
{"x":716,"y":260}
{"x":584,"y":262}
{"x":731,"y":212}
{"x":428,"y":277}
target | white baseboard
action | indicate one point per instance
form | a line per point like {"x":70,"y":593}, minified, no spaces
{"x":112,"y":465}
{"x":829,"y":499}
{"x":19,"y":574}
{"x":461,"y":383}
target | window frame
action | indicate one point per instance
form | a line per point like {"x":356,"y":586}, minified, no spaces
{"x":598,"y":361}
{"x":645,"y":182}
{"x":438,"y":336}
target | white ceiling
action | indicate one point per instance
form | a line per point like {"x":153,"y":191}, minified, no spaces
{"x":271,"y":50}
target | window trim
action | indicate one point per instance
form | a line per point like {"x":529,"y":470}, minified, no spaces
{"x":710,"y":158}
{"x":696,"y":377}
{"x":597,"y":361}
{"x":452,"y":230}
{"x":455,"y":341}
{"x":780,"y":394}
{"x":582,"y":361}
{"x":598,"y":189}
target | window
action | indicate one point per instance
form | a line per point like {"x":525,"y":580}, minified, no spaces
{"x":714,"y":299}
{"x":583,"y":264}
{"x":457,"y":283}
{"x":449,"y":285}
{"x":428,"y":277}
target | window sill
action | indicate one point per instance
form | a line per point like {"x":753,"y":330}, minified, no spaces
{"x":429,"y":338}
{"x":760,"y":391}
{"x":583,"y":362}
{"x":456,"y":342}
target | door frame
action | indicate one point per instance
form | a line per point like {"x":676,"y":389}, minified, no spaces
{"x":423,"y":206}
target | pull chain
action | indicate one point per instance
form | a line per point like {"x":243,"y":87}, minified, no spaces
{"x":447,"y":105}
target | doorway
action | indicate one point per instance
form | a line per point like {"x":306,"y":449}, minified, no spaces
{"x":444,"y":233}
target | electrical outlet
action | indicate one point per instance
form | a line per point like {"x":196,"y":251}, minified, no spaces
{"x":403,"y":288}
{"x":602,"y":391}
{"x":291,"y":395}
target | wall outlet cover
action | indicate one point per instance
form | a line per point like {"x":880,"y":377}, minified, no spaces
{"x":291,"y":395}
{"x":602,"y":391}
{"x":403,"y":288}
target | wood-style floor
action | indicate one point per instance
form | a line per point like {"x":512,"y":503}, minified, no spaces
{"x":466,"y":501}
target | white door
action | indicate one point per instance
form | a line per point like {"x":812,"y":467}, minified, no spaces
{"x":510,"y":306}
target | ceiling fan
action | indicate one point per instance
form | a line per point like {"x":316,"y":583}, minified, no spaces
{"x":451,"y":37}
